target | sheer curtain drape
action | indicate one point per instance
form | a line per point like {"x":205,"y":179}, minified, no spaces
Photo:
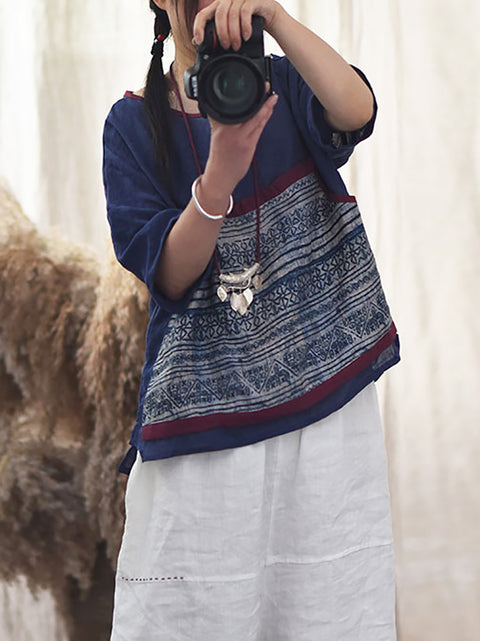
{"x":63,"y":64}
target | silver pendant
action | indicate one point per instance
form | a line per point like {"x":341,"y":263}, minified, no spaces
{"x":257,"y":281}
{"x":238,"y":303}
{"x":240,"y":287}
{"x":248,"y":295}
{"x":222,"y":293}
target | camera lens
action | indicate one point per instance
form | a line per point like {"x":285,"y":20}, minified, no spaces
{"x":234,"y":85}
{"x":234,"y":89}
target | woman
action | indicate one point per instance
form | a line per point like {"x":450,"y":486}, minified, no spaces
{"x":257,"y":503}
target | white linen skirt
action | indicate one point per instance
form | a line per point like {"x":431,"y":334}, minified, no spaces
{"x":289,"y":539}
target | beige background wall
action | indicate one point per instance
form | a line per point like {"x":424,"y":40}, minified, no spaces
{"x":417,"y":180}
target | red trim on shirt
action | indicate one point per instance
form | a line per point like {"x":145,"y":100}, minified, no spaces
{"x":240,"y":419}
{"x":300,"y":170}
{"x":130,"y":94}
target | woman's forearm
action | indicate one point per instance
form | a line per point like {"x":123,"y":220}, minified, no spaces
{"x":190,"y":244}
{"x":347,"y":100}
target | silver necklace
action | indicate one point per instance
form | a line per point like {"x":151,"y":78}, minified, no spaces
{"x":241,"y":288}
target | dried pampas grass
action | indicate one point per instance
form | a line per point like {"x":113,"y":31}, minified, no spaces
{"x":71,"y":351}
{"x":110,"y":361}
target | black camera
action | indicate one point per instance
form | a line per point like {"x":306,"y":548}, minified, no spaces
{"x":229,"y":85}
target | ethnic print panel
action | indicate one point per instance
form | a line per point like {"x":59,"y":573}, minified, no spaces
{"x":319,"y":309}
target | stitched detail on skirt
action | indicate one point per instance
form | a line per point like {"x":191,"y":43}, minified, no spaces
{"x":156,"y":579}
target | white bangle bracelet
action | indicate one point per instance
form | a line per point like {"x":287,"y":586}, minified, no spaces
{"x":200,"y":209}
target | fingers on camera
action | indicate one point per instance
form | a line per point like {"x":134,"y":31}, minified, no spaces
{"x":232,"y":24}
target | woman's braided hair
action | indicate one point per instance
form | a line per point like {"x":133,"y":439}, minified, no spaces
{"x":157,"y":106}
{"x":156,"y":102}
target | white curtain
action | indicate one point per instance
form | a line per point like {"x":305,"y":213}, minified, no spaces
{"x":63,"y":64}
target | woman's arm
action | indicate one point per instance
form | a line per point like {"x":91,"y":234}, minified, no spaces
{"x":348,"y":104}
{"x":191,"y":242}
{"x":347,"y":100}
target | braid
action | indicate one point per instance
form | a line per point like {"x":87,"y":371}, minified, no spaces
{"x":162,"y":23}
{"x":157,"y":107}
{"x":156,"y":102}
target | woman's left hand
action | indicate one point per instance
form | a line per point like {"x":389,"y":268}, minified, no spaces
{"x":233,"y":19}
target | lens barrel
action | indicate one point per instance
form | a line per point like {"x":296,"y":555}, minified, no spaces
{"x":230,"y":86}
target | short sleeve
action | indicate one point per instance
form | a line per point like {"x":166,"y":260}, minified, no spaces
{"x":309,"y":115}
{"x":139,"y":215}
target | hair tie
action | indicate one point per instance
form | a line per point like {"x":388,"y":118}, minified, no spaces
{"x":157,"y":47}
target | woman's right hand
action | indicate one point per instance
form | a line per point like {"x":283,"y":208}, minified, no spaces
{"x":232,"y":148}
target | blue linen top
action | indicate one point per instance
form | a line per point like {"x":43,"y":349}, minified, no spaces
{"x":319,"y":329}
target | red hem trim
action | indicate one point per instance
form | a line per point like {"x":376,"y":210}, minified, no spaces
{"x":240,"y":419}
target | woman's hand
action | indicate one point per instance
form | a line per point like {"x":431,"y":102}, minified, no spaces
{"x":232,"y":148}
{"x":191,"y":242}
{"x":233,"y":19}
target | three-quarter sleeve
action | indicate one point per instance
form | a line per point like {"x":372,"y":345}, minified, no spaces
{"x":139,"y":214}
{"x":309,"y":115}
